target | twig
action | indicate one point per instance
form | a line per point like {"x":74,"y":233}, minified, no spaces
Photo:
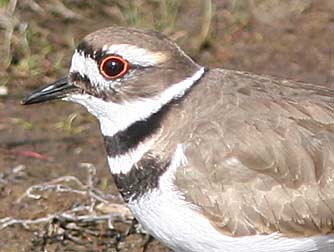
{"x":96,"y":196}
{"x":63,"y":217}
{"x":33,"y":6}
{"x":59,"y":8}
{"x":26,"y":153}
{"x":53,"y":185}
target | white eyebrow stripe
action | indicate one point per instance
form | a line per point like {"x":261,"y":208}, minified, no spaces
{"x":136,"y":55}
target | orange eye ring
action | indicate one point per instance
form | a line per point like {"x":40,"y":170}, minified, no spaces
{"x":113,"y":67}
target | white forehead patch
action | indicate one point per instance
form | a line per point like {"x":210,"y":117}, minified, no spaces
{"x":136,"y":55}
{"x":88,"y":67}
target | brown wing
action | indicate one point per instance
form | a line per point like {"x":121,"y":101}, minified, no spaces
{"x":261,"y":154}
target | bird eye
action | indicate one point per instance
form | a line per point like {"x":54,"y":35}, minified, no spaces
{"x":112,"y":67}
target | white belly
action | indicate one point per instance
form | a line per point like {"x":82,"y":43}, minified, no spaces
{"x":177,"y":226}
{"x":168,"y":217}
{"x":165,"y":214}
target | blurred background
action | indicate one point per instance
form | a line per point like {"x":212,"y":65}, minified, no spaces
{"x":55,"y":190}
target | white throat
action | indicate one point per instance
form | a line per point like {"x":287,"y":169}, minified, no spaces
{"x":116,"y":117}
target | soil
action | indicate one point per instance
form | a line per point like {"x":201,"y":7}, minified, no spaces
{"x":41,"y":143}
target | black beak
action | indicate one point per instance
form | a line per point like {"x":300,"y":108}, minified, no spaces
{"x":56,"y":90}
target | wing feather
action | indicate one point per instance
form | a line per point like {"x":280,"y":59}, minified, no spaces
{"x":260,"y":155}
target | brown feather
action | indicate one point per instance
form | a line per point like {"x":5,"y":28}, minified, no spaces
{"x":260,"y":153}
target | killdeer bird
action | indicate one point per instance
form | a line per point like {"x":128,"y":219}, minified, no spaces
{"x":207,"y":160}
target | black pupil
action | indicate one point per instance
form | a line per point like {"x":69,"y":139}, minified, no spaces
{"x":113,"y":67}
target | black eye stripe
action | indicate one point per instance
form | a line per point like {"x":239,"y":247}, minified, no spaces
{"x":86,"y":86}
{"x":77,"y":77}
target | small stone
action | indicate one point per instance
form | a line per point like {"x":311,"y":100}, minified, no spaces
{"x":3,"y":91}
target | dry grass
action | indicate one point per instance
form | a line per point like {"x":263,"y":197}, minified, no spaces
{"x":92,"y":216}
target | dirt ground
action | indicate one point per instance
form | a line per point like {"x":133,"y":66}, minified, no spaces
{"x":55,"y":190}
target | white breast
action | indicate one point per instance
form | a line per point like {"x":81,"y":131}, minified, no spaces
{"x":165,"y":214}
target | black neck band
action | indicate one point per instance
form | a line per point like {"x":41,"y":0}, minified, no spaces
{"x":125,"y":140}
